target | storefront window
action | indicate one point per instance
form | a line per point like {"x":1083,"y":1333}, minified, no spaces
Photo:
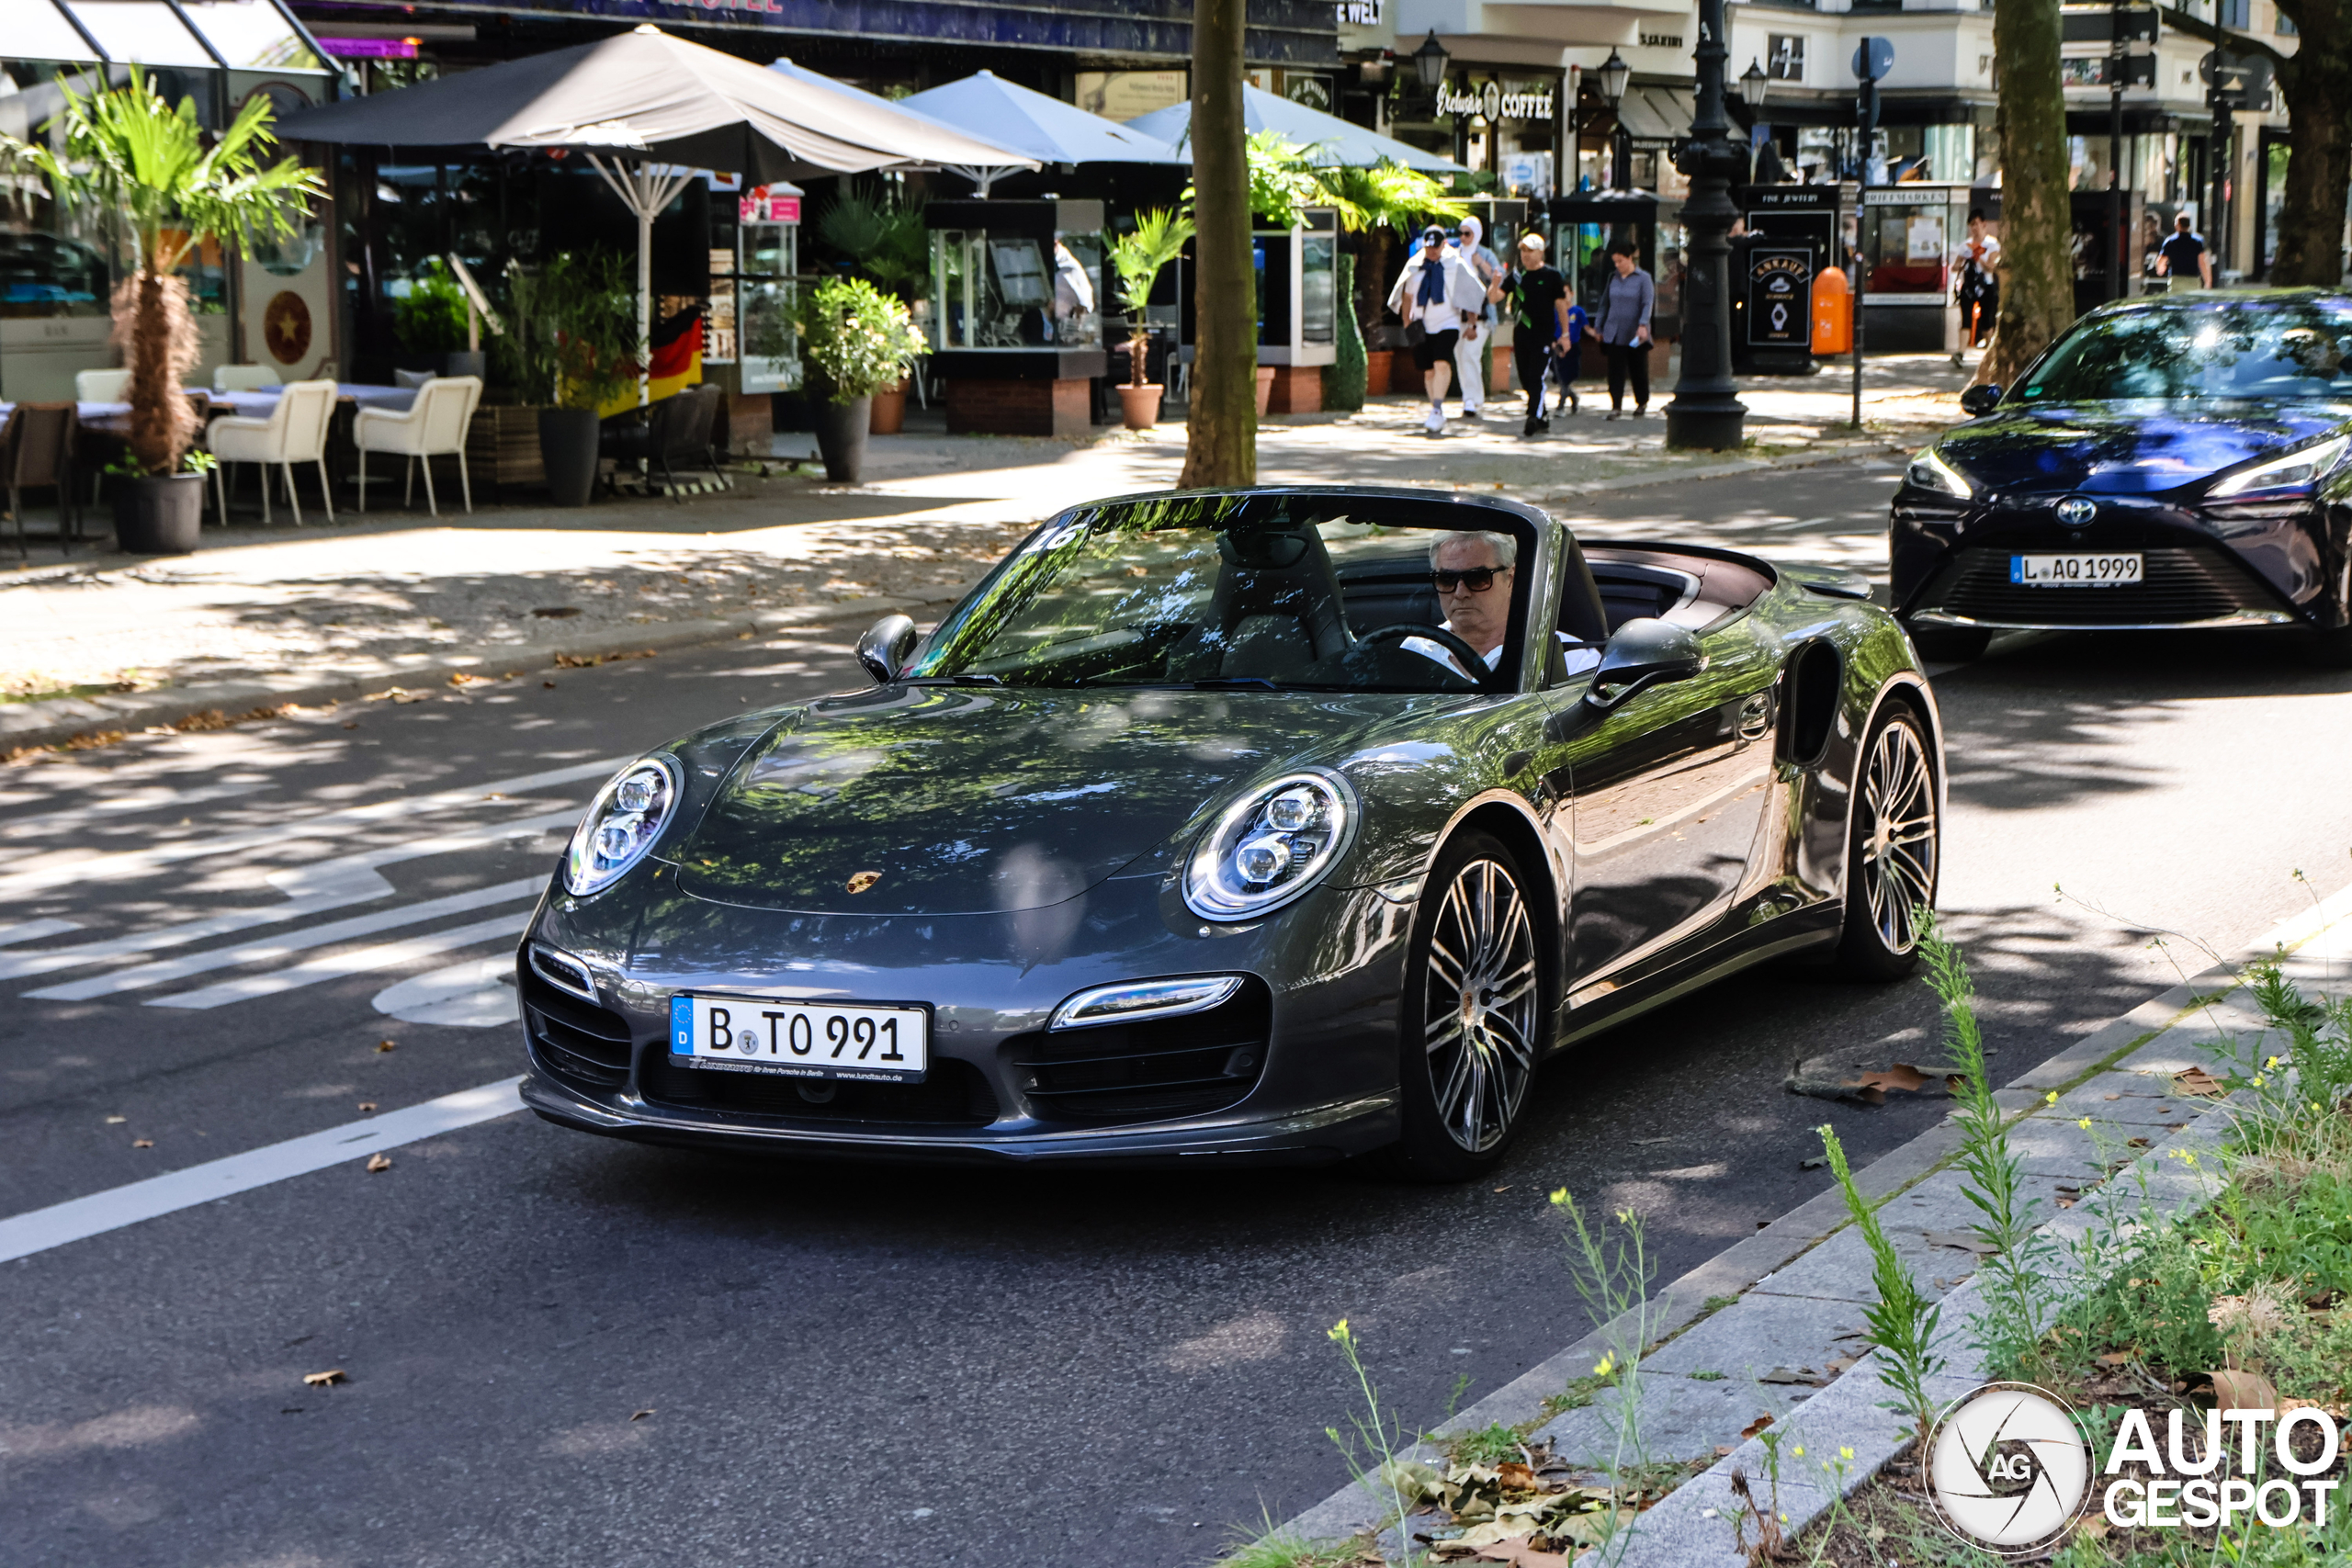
{"x":1016,"y":290}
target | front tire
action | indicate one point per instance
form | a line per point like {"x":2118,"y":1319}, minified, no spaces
{"x":1893,"y":852}
{"x":1470,"y":1024}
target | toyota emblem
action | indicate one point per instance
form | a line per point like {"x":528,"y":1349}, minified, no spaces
{"x":2074,"y":511}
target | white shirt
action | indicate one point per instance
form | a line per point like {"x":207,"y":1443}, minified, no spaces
{"x":1579,"y":657}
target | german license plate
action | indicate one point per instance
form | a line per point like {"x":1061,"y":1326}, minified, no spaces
{"x":2075,"y":572}
{"x":804,"y":1040}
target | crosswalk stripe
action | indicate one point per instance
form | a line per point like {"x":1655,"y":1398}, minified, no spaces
{"x":77,"y":1219}
{"x":334,"y":965}
{"x":163,"y":971}
{"x":33,"y":931}
{"x":350,"y":879}
{"x":66,"y":869}
{"x":66,"y":818}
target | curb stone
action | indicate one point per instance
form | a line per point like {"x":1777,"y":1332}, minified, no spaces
{"x":1692,"y":1525}
{"x":57,"y":720}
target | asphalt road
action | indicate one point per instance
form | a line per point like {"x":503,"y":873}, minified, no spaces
{"x":853,"y":1364}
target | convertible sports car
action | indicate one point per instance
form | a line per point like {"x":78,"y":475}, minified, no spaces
{"x":1193,"y":830}
{"x":2168,"y":462}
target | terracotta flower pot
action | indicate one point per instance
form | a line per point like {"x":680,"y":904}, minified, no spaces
{"x":890,"y":416}
{"x":1140,"y":404}
{"x":1265,"y":389}
{"x":159,"y":515}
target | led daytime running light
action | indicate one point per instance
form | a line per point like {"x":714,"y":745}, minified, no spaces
{"x":2299,"y":467}
{"x":622,"y":823}
{"x":1930,"y":471}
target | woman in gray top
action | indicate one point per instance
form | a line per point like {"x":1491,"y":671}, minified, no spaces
{"x":1625,"y":331}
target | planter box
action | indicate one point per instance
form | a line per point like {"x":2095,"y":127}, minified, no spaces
{"x":1379,"y":371}
{"x":1063,"y":406}
{"x":502,"y":449}
{"x":1297,"y":388}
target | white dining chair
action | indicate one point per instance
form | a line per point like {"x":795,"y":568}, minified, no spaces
{"x":244,"y":378}
{"x":435,"y":426}
{"x":100,"y":386}
{"x":295,"y":432}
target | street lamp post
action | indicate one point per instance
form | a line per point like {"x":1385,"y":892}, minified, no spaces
{"x":1614,"y":75}
{"x":1706,"y":412}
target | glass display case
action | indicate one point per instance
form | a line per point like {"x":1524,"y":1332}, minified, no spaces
{"x":1910,"y":235}
{"x":1298,"y":290}
{"x":759,"y":297}
{"x":1016,"y":277}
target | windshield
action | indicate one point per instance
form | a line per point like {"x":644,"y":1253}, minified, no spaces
{"x":2288,"y":349}
{"x":1244,"y":592}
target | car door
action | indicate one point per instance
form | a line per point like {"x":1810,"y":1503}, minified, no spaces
{"x":1666,"y":795}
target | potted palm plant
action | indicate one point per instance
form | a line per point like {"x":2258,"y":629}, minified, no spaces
{"x":570,"y":347}
{"x":1159,"y":237}
{"x":856,"y":341}
{"x":127,"y":153}
{"x":881,"y":235}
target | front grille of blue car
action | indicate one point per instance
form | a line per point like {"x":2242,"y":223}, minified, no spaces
{"x":2181,"y":586}
{"x":1148,"y":1071}
{"x":952,"y":1094}
{"x":582,"y":1044}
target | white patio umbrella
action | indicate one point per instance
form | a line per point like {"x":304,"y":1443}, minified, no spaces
{"x":646,"y":110}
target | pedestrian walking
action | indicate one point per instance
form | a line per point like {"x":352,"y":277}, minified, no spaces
{"x":1434,"y":295}
{"x":1979,"y":285}
{"x":2183,"y":256}
{"x":1625,"y":330}
{"x":1542,"y":335}
{"x":1476,"y":345}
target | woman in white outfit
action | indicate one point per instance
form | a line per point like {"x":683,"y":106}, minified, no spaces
{"x":1437,"y":293}
{"x":1478,"y":334}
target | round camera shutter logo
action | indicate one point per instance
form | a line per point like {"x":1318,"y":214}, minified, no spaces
{"x":2007,"y":1469}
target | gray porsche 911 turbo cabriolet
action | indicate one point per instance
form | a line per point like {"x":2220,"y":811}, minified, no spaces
{"x":1271,"y":824}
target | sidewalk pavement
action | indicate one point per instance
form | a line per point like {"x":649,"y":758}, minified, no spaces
{"x":118,"y":642}
{"x":1774,"y":1326}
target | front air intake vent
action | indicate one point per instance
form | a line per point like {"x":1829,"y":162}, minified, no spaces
{"x":582,"y":1044}
{"x":2181,"y":587}
{"x":1147,"y":1071}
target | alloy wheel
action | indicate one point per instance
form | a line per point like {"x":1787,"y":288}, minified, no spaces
{"x":1897,"y":836}
{"x":1481,"y":994}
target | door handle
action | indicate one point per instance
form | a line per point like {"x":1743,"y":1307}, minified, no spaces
{"x":1756,"y":716}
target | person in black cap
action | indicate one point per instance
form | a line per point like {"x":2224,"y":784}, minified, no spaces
{"x":1542,"y":334}
{"x":1434,"y":295}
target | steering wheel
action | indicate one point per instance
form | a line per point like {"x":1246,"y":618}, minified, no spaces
{"x":1472,"y":661}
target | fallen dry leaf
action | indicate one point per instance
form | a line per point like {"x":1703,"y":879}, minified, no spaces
{"x":117,"y":1121}
{"x":2135,"y":1143}
{"x":351,"y":724}
{"x":1515,"y":1476}
{"x":547,"y":685}
{"x":1522,"y":1555}
{"x":1722,"y":1450}
{"x":378,"y":1162}
{"x":641,"y":1415}
{"x":2115,"y":1358}
{"x":2196,"y":1080}
{"x":386,"y":1045}
{"x":367,"y":1105}
{"x":143,"y":1142}
{"x":2235,"y":1389}
{"x":1755,"y":1426}
{"x":322,"y":1380}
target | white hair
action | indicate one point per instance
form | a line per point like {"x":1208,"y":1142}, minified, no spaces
{"x":1505,"y":547}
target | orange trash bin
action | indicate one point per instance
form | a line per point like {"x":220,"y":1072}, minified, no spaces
{"x":1833,"y":312}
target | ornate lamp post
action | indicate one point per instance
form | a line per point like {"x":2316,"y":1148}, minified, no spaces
{"x":1430,"y":63}
{"x":1614,"y":75}
{"x":1706,"y":412}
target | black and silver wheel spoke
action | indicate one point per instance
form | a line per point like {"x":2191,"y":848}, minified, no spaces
{"x":1480,"y":1015}
{"x":1897,"y":836}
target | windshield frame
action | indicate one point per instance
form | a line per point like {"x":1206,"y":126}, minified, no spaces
{"x":1271,"y":507}
{"x":2101,"y":323}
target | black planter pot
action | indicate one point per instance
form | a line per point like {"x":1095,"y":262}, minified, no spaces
{"x":160,"y":516}
{"x":568,"y":451}
{"x":466,"y":362}
{"x":840,"y":437}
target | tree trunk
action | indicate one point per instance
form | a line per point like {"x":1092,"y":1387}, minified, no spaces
{"x":157,"y":337}
{"x":1221,"y":441}
{"x":2037,"y":269}
{"x":2316,"y":80}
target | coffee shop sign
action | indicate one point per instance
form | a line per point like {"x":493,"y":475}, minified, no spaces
{"x":1494,"y":104}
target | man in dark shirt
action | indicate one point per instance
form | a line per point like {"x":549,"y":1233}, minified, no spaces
{"x":1540,"y":332}
{"x":2184,"y":255}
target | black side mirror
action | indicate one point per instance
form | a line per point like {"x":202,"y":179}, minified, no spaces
{"x":1644,"y":652}
{"x":1978,"y":402}
{"x":884,"y":647}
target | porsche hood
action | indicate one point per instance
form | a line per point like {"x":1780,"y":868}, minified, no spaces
{"x":962,"y":800}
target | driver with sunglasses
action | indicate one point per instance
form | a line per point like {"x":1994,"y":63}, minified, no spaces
{"x":1472,"y":574}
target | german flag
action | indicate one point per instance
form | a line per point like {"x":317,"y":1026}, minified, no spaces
{"x":677,"y":360}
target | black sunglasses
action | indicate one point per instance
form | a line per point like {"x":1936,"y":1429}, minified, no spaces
{"x":1478,"y":579}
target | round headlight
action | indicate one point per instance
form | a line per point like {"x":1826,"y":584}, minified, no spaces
{"x":1270,"y":847}
{"x":623,"y":821}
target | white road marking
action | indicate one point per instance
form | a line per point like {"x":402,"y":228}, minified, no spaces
{"x":68,"y":869}
{"x":33,"y":931}
{"x":21,"y":1235}
{"x":66,"y":818}
{"x":334,"y":965}
{"x":165,"y":970}
{"x":476,"y":994}
{"x":330,"y":885}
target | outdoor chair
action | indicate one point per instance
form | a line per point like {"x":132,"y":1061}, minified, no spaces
{"x":244,"y":378}
{"x":100,"y":386}
{"x":295,"y":432}
{"x":436,"y":425}
{"x":36,"y":449}
{"x":677,"y":428}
